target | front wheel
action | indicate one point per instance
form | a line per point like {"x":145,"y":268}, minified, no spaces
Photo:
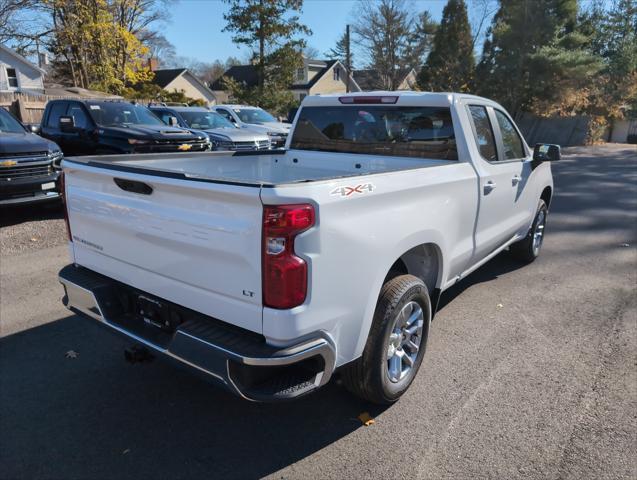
{"x":396,"y":343}
{"x":528,"y":249}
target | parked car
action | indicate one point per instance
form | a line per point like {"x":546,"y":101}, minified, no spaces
{"x":256,"y":119}
{"x":88,"y":127}
{"x":271,"y":272}
{"x":28,"y":164}
{"x":223,"y":134}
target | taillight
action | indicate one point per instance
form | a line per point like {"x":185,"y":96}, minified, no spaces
{"x":65,"y":205}
{"x":284,"y":274}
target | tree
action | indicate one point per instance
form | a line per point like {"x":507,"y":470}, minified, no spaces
{"x":612,"y":35}
{"x":420,"y":40}
{"x":275,"y":95}
{"x":18,"y":24}
{"x":98,"y":44}
{"x":450,"y":64}
{"x":533,"y":56}
{"x":270,"y":29}
{"x":383,"y":31}
{"x":339,"y":51}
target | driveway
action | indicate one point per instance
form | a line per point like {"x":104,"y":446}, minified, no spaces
{"x":530,"y":371}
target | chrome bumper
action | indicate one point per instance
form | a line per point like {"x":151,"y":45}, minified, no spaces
{"x":248,"y":367}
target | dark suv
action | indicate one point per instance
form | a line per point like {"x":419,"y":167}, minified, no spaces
{"x":90,"y":127}
{"x":28,"y":164}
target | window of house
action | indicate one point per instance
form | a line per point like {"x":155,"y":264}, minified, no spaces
{"x":12,"y":77}
{"x":483,"y":133}
{"x":337,"y":74}
{"x":512,"y":142}
{"x":300,"y":74}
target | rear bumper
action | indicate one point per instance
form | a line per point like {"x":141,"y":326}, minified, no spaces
{"x":238,"y":359}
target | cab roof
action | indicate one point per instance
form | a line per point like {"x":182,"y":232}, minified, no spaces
{"x":406,"y":97}
{"x":180,"y":109}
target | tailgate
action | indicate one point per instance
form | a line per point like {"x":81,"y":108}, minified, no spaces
{"x":194,"y":243}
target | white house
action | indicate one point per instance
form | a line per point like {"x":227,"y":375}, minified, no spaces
{"x":17,"y":74}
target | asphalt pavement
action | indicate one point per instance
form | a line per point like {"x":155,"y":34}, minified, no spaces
{"x":530,"y":371}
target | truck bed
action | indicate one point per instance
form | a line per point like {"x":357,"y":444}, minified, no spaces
{"x":258,"y":169}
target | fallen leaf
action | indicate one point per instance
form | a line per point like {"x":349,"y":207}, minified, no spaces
{"x":499,"y":305}
{"x":33,"y":239}
{"x":366,"y":419}
{"x":71,"y":354}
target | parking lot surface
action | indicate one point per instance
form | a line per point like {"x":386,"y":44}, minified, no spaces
{"x":530,"y":371}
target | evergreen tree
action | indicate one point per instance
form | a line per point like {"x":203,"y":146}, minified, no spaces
{"x":534,"y":59}
{"x":450,"y":64}
{"x":421,"y":39}
{"x":270,"y":28}
{"x":612,"y":35}
{"x":339,"y":51}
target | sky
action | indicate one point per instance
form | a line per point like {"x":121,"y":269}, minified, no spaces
{"x":195,"y":28}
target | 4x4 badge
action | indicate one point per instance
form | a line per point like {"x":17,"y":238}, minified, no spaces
{"x":348,"y":191}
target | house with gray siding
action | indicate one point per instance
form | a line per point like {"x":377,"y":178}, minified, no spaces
{"x":17,"y":74}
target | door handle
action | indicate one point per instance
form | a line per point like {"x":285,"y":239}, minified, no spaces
{"x":516,"y":179}
{"x":489,"y":186}
{"x":133,"y":186}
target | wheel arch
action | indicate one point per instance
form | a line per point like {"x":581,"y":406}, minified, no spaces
{"x":423,"y":260}
{"x":546,"y":195}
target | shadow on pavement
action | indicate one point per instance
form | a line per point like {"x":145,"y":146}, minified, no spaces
{"x":95,"y":416}
{"x":595,"y":194}
{"x":15,"y":214}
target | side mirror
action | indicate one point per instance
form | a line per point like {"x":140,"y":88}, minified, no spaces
{"x":173,"y":122}
{"x":546,"y":152}
{"x":67,"y":124}
{"x":34,"y":129}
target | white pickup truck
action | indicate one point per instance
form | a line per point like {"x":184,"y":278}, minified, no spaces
{"x":268,"y":272}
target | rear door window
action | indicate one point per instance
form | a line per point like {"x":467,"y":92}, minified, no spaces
{"x":511,"y":140}
{"x":483,"y":132}
{"x":424,"y":132}
{"x":57,"y":110}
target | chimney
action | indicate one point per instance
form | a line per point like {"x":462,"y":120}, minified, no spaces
{"x":43,"y":59}
{"x":153,"y":64}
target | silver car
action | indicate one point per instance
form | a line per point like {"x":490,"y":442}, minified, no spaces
{"x":223,"y":134}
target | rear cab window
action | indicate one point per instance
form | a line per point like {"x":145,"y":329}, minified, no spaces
{"x":424,"y":132}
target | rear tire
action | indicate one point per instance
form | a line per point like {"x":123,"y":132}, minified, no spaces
{"x":528,"y":250}
{"x":396,"y":343}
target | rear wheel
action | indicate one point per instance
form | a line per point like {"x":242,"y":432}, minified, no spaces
{"x":528,"y":249}
{"x":396,"y":343}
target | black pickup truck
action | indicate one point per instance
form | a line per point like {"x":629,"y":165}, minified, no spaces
{"x":90,"y":127}
{"x":28,"y":164}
